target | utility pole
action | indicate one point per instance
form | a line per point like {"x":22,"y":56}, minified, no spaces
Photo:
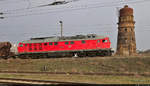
{"x":61,"y":25}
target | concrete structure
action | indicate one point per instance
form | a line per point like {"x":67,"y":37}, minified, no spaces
{"x":126,"y":44}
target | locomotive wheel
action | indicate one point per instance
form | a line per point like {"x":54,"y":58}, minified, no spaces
{"x":109,"y":53}
{"x":91,"y":54}
{"x":22,"y":56}
{"x":83,"y":54}
{"x":106,"y":53}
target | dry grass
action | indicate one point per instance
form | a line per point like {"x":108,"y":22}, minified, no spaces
{"x":83,"y":78}
{"x":125,"y":65}
{"x":96,"y":64}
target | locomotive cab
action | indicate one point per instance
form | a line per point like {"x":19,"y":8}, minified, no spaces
{"x":20,"y":47}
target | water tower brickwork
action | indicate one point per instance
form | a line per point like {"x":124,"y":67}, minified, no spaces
{"x":126,"y":44}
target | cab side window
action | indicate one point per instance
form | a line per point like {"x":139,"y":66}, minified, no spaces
{"x":104,"y":41}
{"x":21,"y":45}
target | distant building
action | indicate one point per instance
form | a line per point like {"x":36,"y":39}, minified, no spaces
{"x":126,"y":44}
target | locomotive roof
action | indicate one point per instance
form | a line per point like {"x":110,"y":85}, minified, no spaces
{"x":68,"y":38}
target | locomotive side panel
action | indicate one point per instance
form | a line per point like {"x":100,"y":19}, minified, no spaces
{"x":64,"y":46}
{"x":94,"y":46}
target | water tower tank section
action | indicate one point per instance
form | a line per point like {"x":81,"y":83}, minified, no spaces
{"x":126,"y":43}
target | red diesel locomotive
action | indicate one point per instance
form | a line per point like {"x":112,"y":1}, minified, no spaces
{"x":79,"y":45}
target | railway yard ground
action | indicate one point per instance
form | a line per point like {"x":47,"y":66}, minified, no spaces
{"x":97,"y":70}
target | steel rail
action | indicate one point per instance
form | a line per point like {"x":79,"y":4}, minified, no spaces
{"x":77,"y":73}
{"x":31,"y":81}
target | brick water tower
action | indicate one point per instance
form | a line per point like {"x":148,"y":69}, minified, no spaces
{"x":126,"y":44}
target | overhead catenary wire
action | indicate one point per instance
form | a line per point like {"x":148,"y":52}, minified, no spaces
{"x":21,"y":9}
{"x":76,"y":8}
{"x":31,"y":7}
{"x":46,"y":5}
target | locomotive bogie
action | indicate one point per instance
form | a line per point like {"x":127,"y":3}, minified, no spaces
{"x":88,"y":53}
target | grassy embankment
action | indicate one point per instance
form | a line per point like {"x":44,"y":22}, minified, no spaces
{"x":93,"y":65}
{"x":96,"y":64}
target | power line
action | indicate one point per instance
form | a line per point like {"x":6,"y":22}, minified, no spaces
{"x":45,"y":5}
{"x":29,"y":7}
{"x":22,"y":9}
{"x":79,"y":8}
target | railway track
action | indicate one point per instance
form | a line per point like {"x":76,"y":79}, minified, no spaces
{"x":76,"y":73}
{"x":36,"y":82}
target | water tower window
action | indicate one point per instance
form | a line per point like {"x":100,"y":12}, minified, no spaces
{"x":126,"y":40}
{"x":132,"y":39}
{"x":126,"y":29}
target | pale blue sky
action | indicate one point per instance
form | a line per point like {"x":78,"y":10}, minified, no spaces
{"x":99,"y":17}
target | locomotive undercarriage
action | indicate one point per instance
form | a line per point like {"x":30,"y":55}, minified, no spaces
{"x":89,"y":53}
